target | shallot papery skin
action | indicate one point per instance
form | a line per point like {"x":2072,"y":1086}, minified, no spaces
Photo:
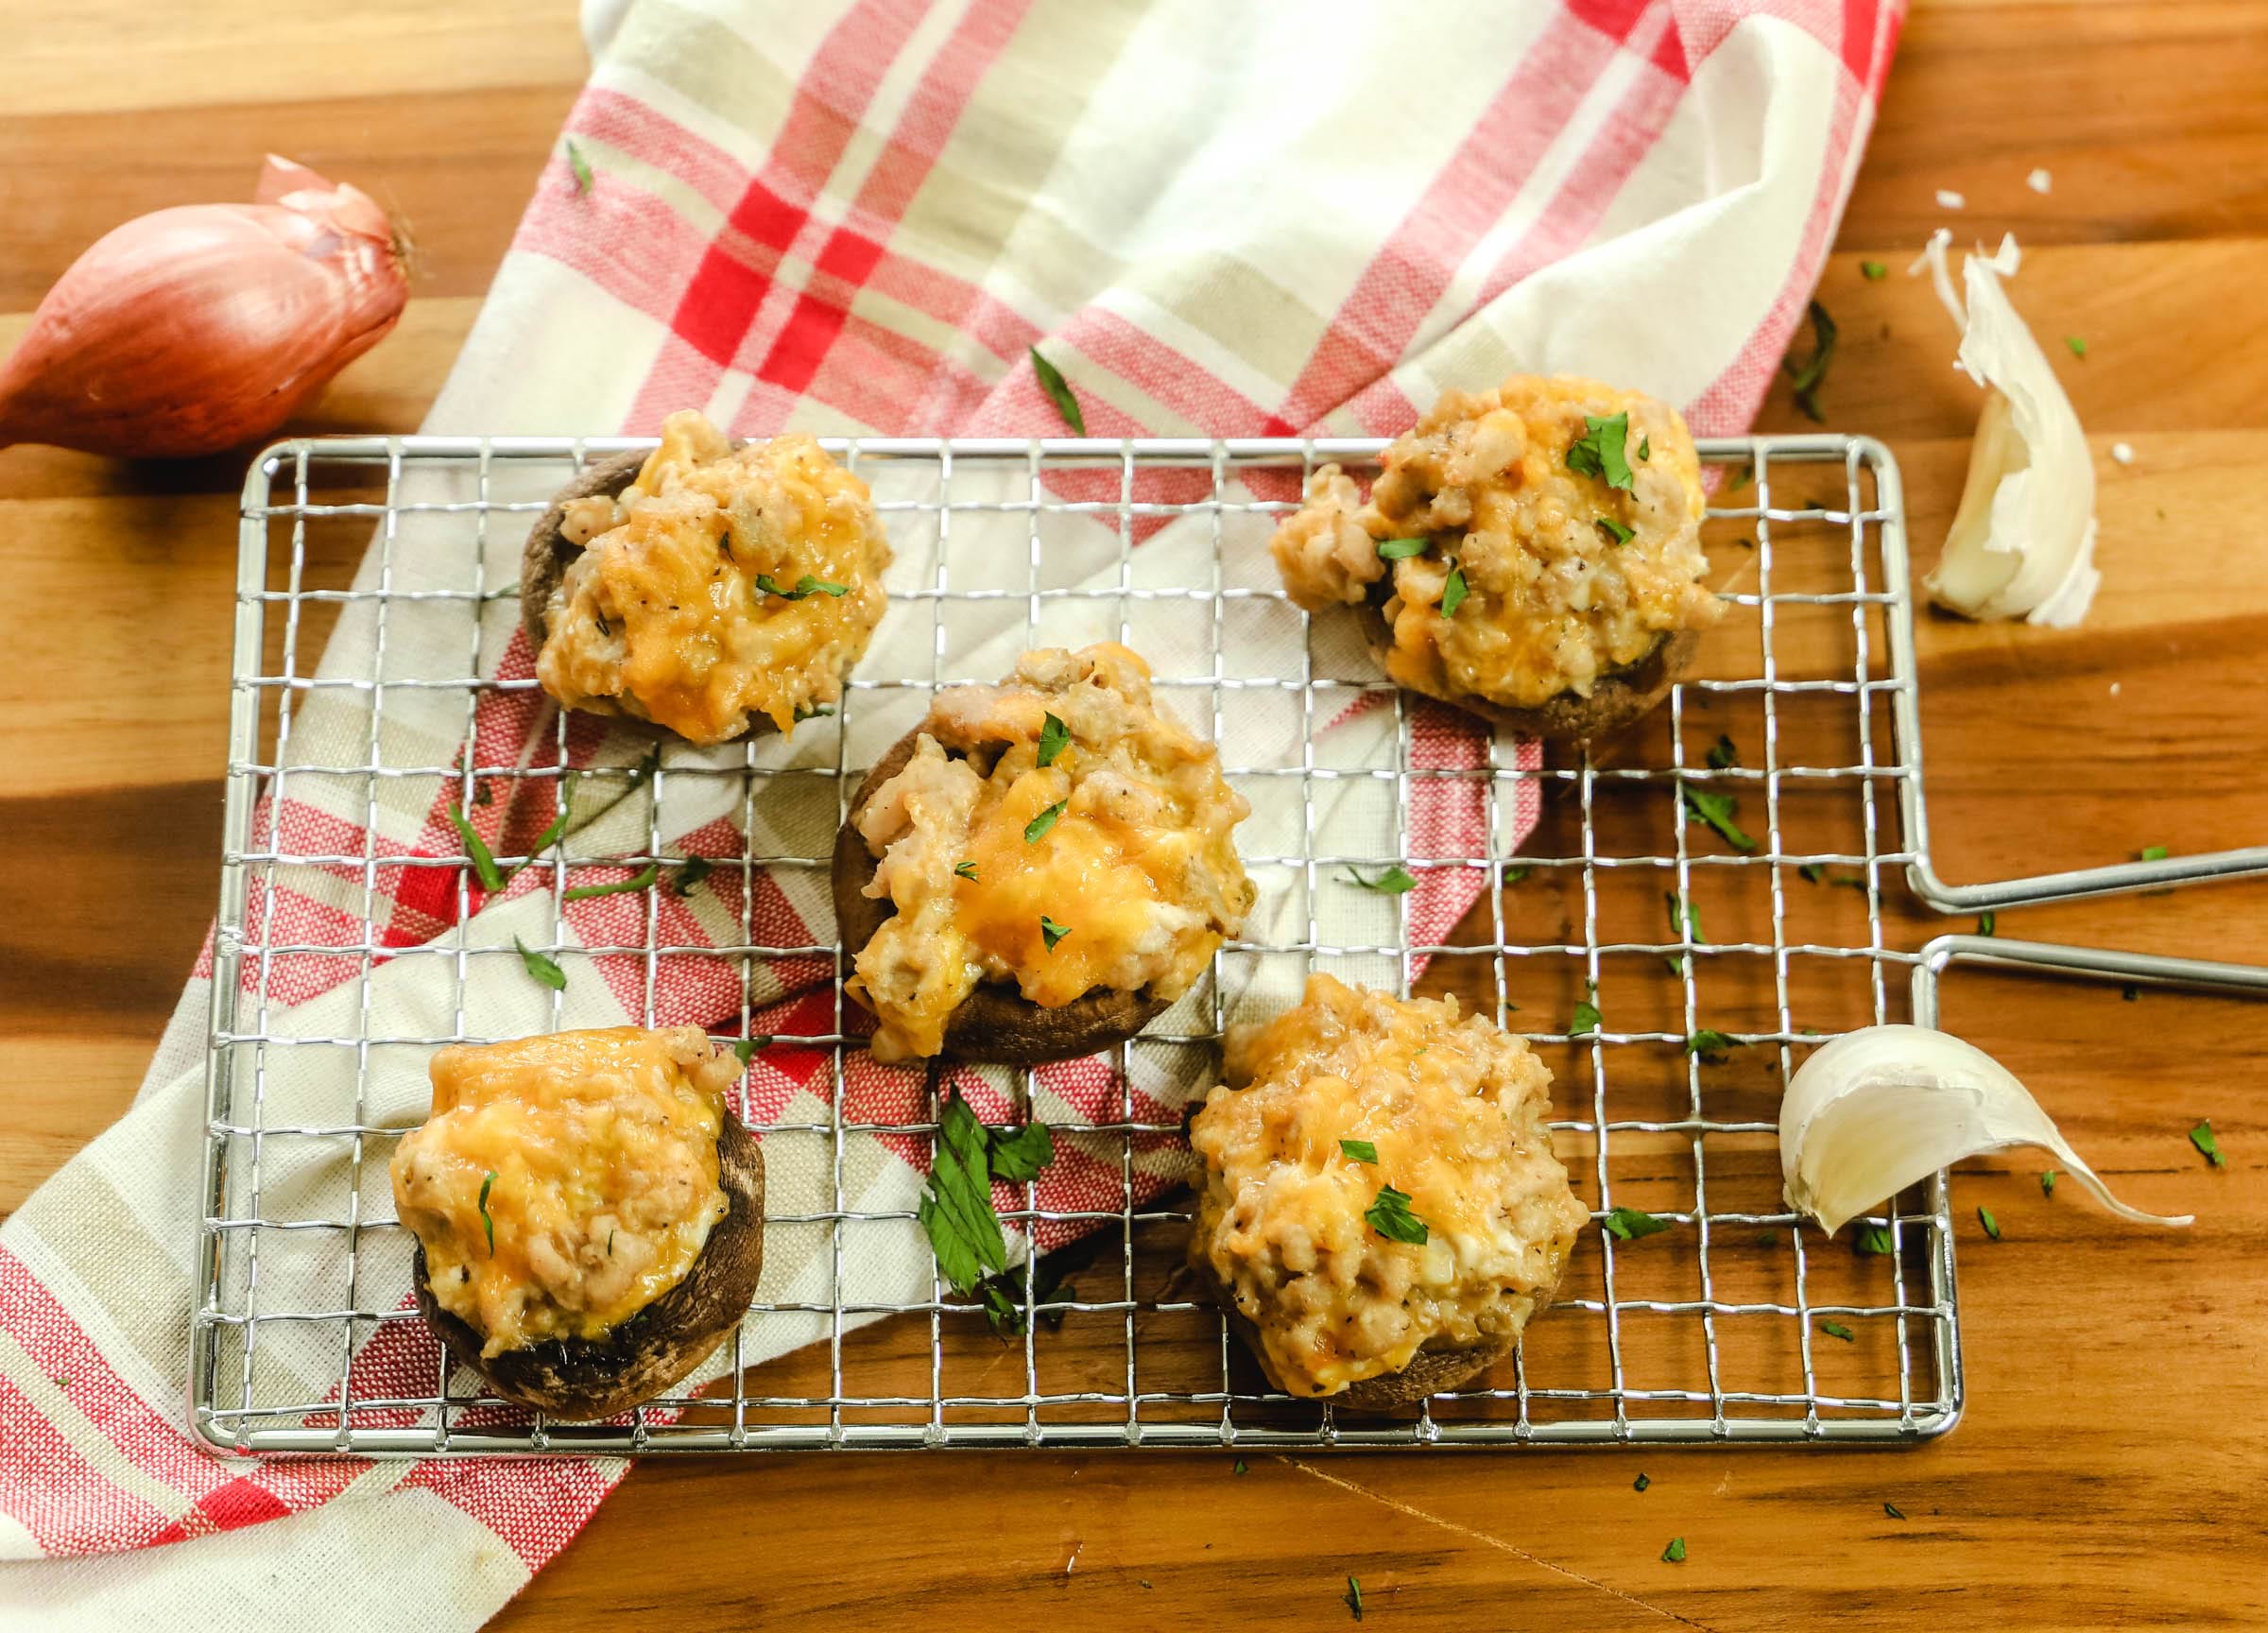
{"x":194,"y":329}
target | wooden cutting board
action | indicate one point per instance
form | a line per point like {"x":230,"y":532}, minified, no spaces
{"x":2105,"y":1472}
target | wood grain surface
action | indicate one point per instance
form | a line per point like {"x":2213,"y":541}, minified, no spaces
{"x":2105,"y":1472}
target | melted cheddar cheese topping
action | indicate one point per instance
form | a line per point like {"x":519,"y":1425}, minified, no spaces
{"x":1455,"y":1108}
{"x":721,"y":585}
{"x":564,"y":1182}
{"x":1137,"y":868}
{"x":1567,"y":577}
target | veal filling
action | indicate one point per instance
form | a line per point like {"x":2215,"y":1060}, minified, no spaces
{"x":565,"y":1182}
{"x":1109,"y":866}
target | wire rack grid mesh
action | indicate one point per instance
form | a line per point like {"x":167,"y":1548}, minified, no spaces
{"x":1700,"y":1310}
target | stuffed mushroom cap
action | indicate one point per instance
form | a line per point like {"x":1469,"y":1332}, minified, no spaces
{"x":1530,"y":554}
{"x":588,"y":1213}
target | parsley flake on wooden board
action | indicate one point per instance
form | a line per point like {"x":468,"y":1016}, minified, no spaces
{"x":1354,"y":1597}
{"x":2153,"y":854}
{"x":2047,"y":1181}
{"x":2207,"y":1147}
{"x":1891,"y":1509}
{"x":1723,"y":756}
{"x":1710,"y":1044}
{"x":1811,"y":373}
{"x":1836,"y":1330}
{"x":1675,"y":1553}
{"x":1059,"y":393}
{"x":1718,"y":811}
{"x":1992,"y":1225}
{"x":1394,"y":880}
{"x":1873,"y":1242}
{"x":1585,"y":1020}
{"x":1986,"y":925}
{"x":543,"y":969}
{"x":1685,"y":923}
{"x":1641,"y":1484}
{"x":1629,"y":1224}
{"x":1390,"y":1216}
{"x":1873,"y":272}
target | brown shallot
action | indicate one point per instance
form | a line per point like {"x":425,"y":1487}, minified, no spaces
{"x":194,"y":329}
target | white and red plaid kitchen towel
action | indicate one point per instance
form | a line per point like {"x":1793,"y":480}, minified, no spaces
{"x":856,"y":216}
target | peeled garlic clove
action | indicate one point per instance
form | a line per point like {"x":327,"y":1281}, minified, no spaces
{"x":1884,"y":1108}
{"x":2022,"y":543}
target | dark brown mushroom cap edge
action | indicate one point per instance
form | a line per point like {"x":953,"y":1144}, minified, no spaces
{"x":1621,"y":696}
{"x":995,"y":1023}
{"x":586,"y":1378}
{"x":1431,"y":1371}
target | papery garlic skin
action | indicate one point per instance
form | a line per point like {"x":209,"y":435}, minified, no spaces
{"x":2022,"y":543}
{"x":1875,"y":1110}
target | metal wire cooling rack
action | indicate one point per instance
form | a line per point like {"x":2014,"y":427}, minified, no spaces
{"x":1733,"y":1323}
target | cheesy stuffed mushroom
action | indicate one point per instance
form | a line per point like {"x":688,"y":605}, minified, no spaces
{"x":588,"y":1213}
{"x":1040,"y":868}
{"x":1379,"y":1209}
{"x":708,"y":589}
{"x":1530,"y":554}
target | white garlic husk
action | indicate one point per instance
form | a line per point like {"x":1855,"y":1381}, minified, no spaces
{"x":1884,"y":1108}
{"x":2022,"y":543}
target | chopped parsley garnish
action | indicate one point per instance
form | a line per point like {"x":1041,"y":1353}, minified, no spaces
{"x":1740,"y":479}
{"x":1036,"y":830}
{"x":1874,"y":1240}
{"x":1992,"y":1225}
{"x":1685,"y":923}
{"x":1402,"y":549}
{"x":580,"y":167}
{"x":1390,"y":1216}
{"x":484,"y":860}
{"x":1393,"y":880}
{"x":1517,"y":873}
{"x":1453,"y":593}
{"x":1891,"y":1509}
{"x":1811,"y":373}
{"x":1675,"y":1553}
{"x":1814,"y":872}
{"x":1022,"y":1155}
{"x":542,"y":968}
{"x":482,"y":792}
{"x":1717,"y":811}
{"x":1874,"y":271}
{"x":2047,"y":1181}
{"x":810,"y":712}
{"x":1050,"y":932}
{"x":2155,"y":853}
{"x":805,"y":586}
{"x":1641,"y":1484}
{"x":745,"y":1050}
{"x":1613,"y":532}
{"x":1986,"y":921}
{"x":486,"y":1223}
{"x":637,"y":881}
{"x":1710,"y":1045}
{"x":956,"y":1212}
{"x":1836,"y":1330}
{"x":604,"y":627}
{"x":1723,"y":756}
{"x":964,"y":869}
{"x":2077,"y":345}
{"x":610,"y":1242}
{"x":1629,"y":1224}
{"x":1646,"y":449}
{"x":1058,"y":392}
{"x":690,"y":876}
{"x":2207,"y":1147}
{"x":1354,"y":1597}
{"x":1585,"y":1019}
{"x":1359,"y":1150}
{"x":1600,"y":451}
{"x":1053,"y":738}
{"x":1238,"y":1468}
